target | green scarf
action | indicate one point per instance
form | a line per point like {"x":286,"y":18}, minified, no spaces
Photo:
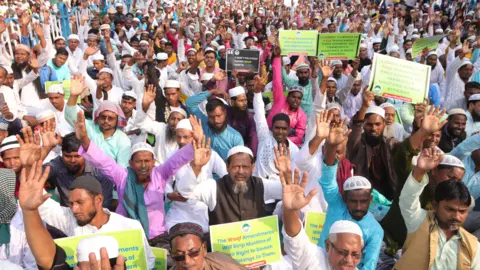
{"x":134,"y":202}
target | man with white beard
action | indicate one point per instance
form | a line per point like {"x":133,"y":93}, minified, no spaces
{"x":392,"y":129}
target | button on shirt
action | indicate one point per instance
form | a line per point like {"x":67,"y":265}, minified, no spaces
{"x":413,"y":214}
{"x":154,"y":191}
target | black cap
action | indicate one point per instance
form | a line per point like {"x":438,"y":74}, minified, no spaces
{"x":87,"y":182}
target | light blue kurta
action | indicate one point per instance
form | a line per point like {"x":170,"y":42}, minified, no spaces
{"x":220,"y":142}
{"x":118,"y":146}
{"x":337,"y":210}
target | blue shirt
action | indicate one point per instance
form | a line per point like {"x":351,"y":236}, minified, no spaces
{"x":220,"y":142}
{"x":62,"y":73}
{"x":463,"y":152}
{"x":337,"y":210}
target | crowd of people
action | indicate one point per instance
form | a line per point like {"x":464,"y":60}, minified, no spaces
{"x":130,"y":118}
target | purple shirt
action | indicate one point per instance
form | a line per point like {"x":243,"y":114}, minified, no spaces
{"x":155,"y":190}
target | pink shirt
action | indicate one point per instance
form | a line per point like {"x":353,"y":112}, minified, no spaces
{"x":155,"y":190}
{"x":298,"y":118}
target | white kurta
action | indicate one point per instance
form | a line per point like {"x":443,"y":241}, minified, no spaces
{"x":185,"y":181}
{"x":62,"y":218}
{"x":472,"y":127}
{"x":163,"y":148}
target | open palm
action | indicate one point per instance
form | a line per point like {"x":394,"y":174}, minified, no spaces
{"x":429,"y":159}
{"x":30,"y":150}
{"x":431,"y":121}
{"x":338,"y":135}
{"x":30,"y":194}
{"x":323,"y":124}
{"x":77,"y":86}
{"x":293,"y":192}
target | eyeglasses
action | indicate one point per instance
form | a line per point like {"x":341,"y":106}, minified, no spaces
{"x":345,"y":253}
{"x":191,"y":254}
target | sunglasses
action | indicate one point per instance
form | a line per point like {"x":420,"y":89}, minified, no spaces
{"x":191,"y":254}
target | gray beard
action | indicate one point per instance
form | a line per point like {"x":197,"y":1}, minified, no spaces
{"x":240,"y":188}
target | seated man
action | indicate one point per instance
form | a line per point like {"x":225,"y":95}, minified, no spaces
{"x":343,"y":248}
{"x":189,"y":248}
{"x":105,"y":129}
{"x":436,"y":239}
{"x":141,"y":186}
{"x":353,"y":204}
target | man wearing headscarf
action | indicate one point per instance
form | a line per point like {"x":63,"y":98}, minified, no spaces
{"x":104,"y":130}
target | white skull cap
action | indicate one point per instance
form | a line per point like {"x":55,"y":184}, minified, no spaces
{"x":356,"y":182}
{"x":184,"y":124}
{"x":376,"y":110}
{"x":345,"y":226}
{"x":452,"y":161}
{"x":239,"y":149}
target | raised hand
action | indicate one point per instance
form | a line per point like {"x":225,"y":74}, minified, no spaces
{"x":38,"y":30}
{"x":33,"y":63}
{"x":429,"y":159}
{"x":31,"y":187}
{"x":323,"y":124}
{"x":91,"y":50}
{"x":77,"y":85}
{"x":30,"y":150}
{"x":276,"y":51}
{"x":49,"y":138}
{"x":293,"y":192}
{"x":367,"y":97}
{"x":200,"y":56}
{"x":150,"y":50}
{"x":196,"y":127}
{"x":81,"y":128}
{"x":283,"y":161}
{"x":149,"y":95}
{"x":327,"y":69}
{"x":3,"y":25}
{"x":337,"y":134}
{"x":431,"y":121}
{"x":219,"y":76}
{"x":202,"y":152}
{"x":258,"y":86}
{"x":25,"y":19}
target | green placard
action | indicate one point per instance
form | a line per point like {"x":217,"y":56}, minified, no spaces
{"x":160,"y":258}
{"x":130,"y":245}
{"x":314,"y":225}
{"x":252,"y":243}
{"x":422,"y":43}
{"x":399,"y":79}
{"x":341,"y":46}
{"x":298,"y":42}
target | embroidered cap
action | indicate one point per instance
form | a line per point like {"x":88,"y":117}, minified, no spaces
{"x":356,"y":182}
